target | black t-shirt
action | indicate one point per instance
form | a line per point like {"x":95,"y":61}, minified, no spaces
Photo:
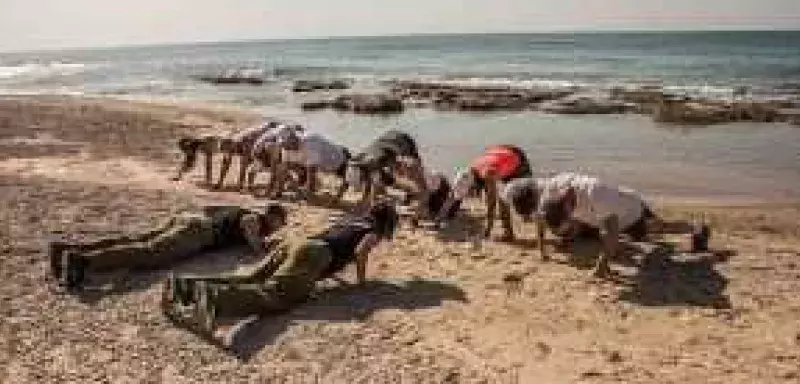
{"x":343,"y":239}
{"x":387,"y":147}
{"x":225,"y":220}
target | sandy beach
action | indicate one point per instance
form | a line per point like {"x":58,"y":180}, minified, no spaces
{"x":440,"y":308}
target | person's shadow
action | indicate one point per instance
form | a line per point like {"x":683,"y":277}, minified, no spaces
{"x":668,"y":278}
{"x":345,"y":303}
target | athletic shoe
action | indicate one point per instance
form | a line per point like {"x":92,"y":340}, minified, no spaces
{"x":700,"y":238}
{"x":74,"y":265}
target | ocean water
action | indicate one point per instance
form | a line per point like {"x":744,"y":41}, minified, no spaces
{"x":737,"y":160}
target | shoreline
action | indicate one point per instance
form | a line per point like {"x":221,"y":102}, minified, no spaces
{"x":235,"y":116}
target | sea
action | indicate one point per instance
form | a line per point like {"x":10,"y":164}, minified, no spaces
{"x":741,"y":161}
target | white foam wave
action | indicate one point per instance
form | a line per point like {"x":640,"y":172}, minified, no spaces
{"x":40,"y":69}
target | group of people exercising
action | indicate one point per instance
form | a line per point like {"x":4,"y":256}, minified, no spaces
{"x":569,"y":204}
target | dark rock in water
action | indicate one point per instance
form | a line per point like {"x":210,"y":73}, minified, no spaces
{"x":580,"y":105}
{"x":316,"y":105}
{"x":231,"y":80}
{"x":682,"y":111}
{"x":319,"y":85}
{"x":338,"y":85}
{"x":473,"y":97}
{"x":238,"y":76}
{"x":791,"y":116}
{"x":366,"y":103}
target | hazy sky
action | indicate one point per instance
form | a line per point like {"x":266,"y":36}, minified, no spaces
{"x":35,"y":24}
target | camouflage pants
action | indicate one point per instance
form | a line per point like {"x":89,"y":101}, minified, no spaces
{"x":283,"y":281}
{"x":181,"y":237}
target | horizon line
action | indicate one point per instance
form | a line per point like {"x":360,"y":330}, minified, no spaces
{"x":408,"y":34}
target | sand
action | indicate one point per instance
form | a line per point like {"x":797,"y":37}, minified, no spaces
{"x":440,"y":307}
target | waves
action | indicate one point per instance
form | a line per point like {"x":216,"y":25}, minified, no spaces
{"x":707,"y":65}
{"x":39,"y":70}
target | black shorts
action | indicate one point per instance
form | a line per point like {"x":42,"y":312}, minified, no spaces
{"x":342,"y":170}
{"x":637,"y":231}
{"x":524,"y":168}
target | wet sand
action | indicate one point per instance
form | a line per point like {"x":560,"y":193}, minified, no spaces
{"x":441,"y":308}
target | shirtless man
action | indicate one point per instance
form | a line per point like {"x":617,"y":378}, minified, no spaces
{"x":496,"y":166}
{"x":570,"y":203}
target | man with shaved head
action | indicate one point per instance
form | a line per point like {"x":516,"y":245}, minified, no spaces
{"x":572,"y":204}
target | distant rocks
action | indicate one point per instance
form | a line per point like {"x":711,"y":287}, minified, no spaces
{"x":319,"y":85}
{"x":688,"y":111}
{"x":461,"y":96}
{"x":359,"y":103}
{"x":467,"y":96}
{"x":235,"y":76}
{"x":582,"y":105}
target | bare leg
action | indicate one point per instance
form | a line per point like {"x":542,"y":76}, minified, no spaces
{"x":341,"y":190}
{"x":209,"y":147}
{"x":227,"y":157}
{"x":245,"y":159}
{"x":610,"y":237}
{"x":506,"y":220}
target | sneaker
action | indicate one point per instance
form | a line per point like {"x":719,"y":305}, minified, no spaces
{"x":55,"y":248}
{"x":230,"y":336}
{"x":168,"y":299}
{"x":74,"y":265}
{"x":700,"y":238}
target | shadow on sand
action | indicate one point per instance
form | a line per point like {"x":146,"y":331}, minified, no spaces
{"x":669,"y":278}
{"x":345,"y":303}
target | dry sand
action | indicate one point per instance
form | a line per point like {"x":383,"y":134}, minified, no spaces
{"x":440,"y":309}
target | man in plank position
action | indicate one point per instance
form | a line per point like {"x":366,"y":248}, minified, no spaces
{"x":574,"y":205}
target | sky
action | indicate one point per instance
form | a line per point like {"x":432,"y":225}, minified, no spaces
{"x":48,"y":24}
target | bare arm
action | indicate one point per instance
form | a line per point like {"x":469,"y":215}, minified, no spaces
{"x":277,"y":173}
{"x":491,"y":205}
{"x":505,"y":218}
{"x":311,"y":180}
{"x":610,"y":237}
{"x":362,"y":255}
{"x":446,"y":207}
{"x":540,"y":229}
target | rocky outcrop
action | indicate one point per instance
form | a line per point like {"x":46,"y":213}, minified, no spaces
{"x":250,"y":77}
{"x":368,"y":103}
{"x":319,"y":85}
{"x":316,"y":105}
{"x":685,"y":111}
{"x":791,"y":116}
{"x":582,"y":105}
{"x":473,"y":97}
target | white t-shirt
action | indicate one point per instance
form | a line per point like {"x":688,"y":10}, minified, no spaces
{"x":250,"y":134}
{"x":517,"y":186}
{"x":595,"y":200}
{"x":316,"y":150}
{"x":271,"y":137}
